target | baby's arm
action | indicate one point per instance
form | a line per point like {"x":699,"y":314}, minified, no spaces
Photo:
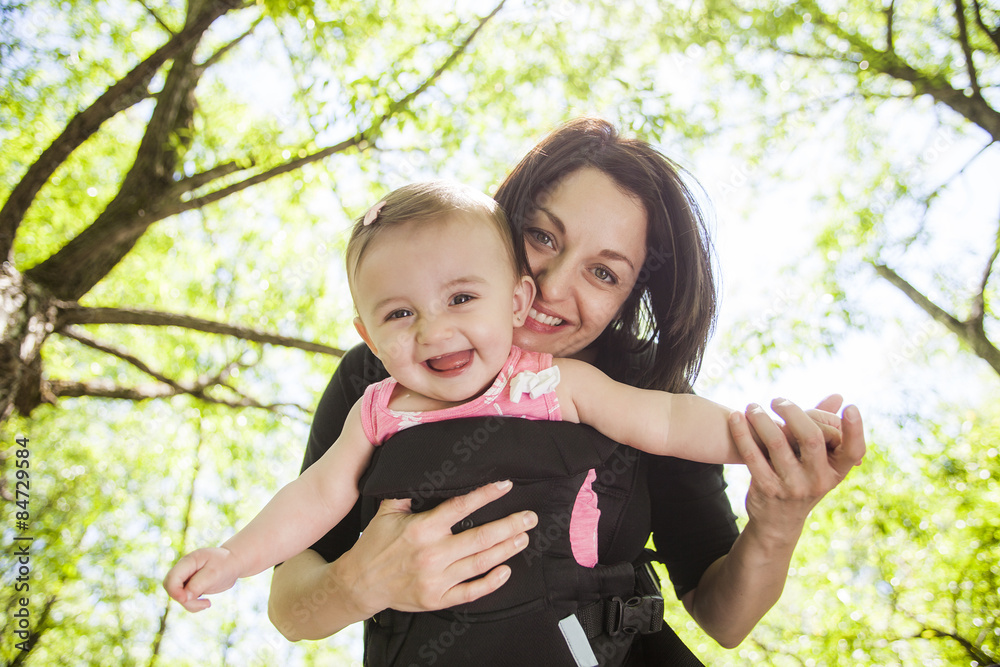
{"x":681,"y":425}
{"x":297,"y":516}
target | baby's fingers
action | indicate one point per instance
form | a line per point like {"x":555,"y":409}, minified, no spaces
{"x":178,"y":576}
{"x":196,"y":604}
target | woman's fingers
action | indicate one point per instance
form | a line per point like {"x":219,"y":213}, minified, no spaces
{"x":852,"y":449}
{"x":782,"y":457}
{"x":437,"y":569}
{"x":455,"y":509}
{"x":804,"y":431}
{"x":467,"y":571}
{"x":486,"y":546}
{"x":751,"y":448}
{"x":480,"y":549}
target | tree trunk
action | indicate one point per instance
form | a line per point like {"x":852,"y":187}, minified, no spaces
{"x":86,"y":259}
{"x":27,"y":317}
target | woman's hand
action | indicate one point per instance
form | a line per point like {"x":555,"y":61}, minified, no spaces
{"x":404,"y":561}
{"x":413,"y":562}
{"x":802,"y":463}
{"x":792,"y":468}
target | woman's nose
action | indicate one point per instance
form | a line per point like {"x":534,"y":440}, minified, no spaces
{"x":554,"y":280}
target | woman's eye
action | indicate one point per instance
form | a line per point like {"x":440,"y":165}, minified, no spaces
{"x":460,"y":299}
{"x":540,"y":237}
{"x":604,"y":275}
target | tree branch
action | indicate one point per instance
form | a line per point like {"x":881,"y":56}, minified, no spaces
{"x":167,"y":386}
{"x":124,"y":356}
{"x":86,"y":259}
{"x":975,"y":109}
{"x":967,"y":331}
{"x":448,"y":62}
{"x":41,"y":625}
{"x":124,"y":93}
{"x":173,"y":207}
{"x":101,"y":388}
{"x":916,"y":296}
{"x":971,"y":650}
{"x":978,"y":315}
{"x":220,"y":54}
{"x":963,"y":38}
{"x":196,"y":181}
{"x":890,"y":16}
{"x":993,"y":34}
{"x":185,"y":527}
{"x":365,"y":136}
{"x":156,"y":17}
{"x":71,"y":313}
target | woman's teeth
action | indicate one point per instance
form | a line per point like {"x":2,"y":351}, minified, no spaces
{"x":544,"y":319}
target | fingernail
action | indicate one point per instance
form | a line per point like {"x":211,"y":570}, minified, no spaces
{"x":852,"y":414}
{"x":504,"y":485}
{"x":528,"y":518}
{"x":504,"y":575}
{"x":754,"y":407}
{"x":521,"y":541}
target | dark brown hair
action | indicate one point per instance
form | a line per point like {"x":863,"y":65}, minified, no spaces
{"x":670,"y":313}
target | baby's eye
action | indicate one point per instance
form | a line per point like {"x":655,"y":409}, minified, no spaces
{"x":399,"y":314}
{"x":459,"y":299}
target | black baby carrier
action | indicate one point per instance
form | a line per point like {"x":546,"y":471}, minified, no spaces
{"x":552,"y":611}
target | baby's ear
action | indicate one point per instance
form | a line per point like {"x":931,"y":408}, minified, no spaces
{"x":524,"y":296}
{"x":359,"y":326}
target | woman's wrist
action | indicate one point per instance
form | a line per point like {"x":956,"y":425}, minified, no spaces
{"x":773,"y":538}
{"x":310,"y":598}
{"x":346,"y":583}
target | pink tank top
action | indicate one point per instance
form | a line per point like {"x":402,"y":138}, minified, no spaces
{"x":525,"y":388}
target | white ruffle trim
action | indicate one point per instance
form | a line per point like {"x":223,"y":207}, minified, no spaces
{"x":533,"y":384}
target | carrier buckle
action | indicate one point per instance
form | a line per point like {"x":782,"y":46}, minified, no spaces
{"x":638,"y":614}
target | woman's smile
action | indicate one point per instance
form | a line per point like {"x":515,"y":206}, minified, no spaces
{"x":585,"y":242}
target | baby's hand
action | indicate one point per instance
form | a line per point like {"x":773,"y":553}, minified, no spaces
{"x":201,"y":572}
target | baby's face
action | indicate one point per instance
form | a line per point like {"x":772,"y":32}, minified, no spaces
{"x":438,"y":303}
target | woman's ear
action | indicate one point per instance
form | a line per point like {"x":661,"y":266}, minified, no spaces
{"x":524,"y":296}
{"x":359,"y":326}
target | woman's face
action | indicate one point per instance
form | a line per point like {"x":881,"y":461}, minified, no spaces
{"x":586,"y":243}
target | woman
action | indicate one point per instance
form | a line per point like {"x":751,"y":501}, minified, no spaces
{"x":620,"y":257}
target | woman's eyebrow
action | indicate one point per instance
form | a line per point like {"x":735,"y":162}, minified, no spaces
{"x":560,"y":227}
{"x":607,"y":253}
{"x":615,"y":255}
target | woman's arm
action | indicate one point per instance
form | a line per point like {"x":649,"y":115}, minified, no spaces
{"x":739,"y":588}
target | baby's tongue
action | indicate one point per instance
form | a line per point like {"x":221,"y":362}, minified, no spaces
{"x":450,"y":362}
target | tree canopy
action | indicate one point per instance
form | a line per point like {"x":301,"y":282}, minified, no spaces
{"x":176,"y":177}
